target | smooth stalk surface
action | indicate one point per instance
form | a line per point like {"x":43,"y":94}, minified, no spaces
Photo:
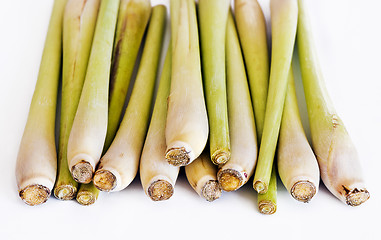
{"x":267,"y":202}
{"x":89,"y":128}
{"x":132,"y":22}
{"x":339,"y":164}
{"x":284,"y":18}
{"x":119,"y":165}
{"x":78,"y":30}
{"x":36,"y":165}
{"x":87,"y":194}
{"x":212,"y":16}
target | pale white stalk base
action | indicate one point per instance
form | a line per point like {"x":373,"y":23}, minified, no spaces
{"x":211,"y":190}
{"x":107,"y":179}
{"x":160,"y":188}
{"x":82,"y":167}
{"x":179,"y":154}
{"x":231,"y":177}
{"x":34,"y":194}
{"x":303,"y":190}
{"x":267,"y":207}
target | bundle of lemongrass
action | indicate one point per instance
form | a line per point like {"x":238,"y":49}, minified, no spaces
{"x":220,"y":81}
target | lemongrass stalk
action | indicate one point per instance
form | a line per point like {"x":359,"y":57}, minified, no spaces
{"x":251,"y":26}
{"x":158,"y":178}
{"x":132,"y":22}
{"x":87,"y":194}
{"x":36,"y":165}
{"x":202,"y":176}
{"x":284,"y":18}
{"x":212,"y":15}
{"x":119,"y":165}
{"x":78,"y":31}
{"x":244,"y":148}
{"x":89,"y":128}
{"x":187,"y":122}
{"x":267,"y":202}
{"x":297,"y":164}
{"x":339,"y":164}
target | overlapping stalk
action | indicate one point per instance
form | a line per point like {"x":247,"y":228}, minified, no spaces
{"x":158,"y":178}
{"x":244,"y":148}
{"x":187,"y":122}
{"x":201,"y":175}
{"x":339,"y":164}
{"x":284,"y":17}
{"x":132,"y":22}
{"x":89,"y":128}
{"x":78,"y":30}
{"x":297,"y":165}
{"x":212,"y":16}
{"x":267,"y":202}
{"x":36,"y":165}
{"x":251,"y":26}
{"x":119,"y":165}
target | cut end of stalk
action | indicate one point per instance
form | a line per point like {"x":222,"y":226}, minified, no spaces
{"x":177,"y":156}
{"x":86,"y":198}
{"x":211,"y":190}
{"x":160,"y":190}
{"x":220,"y":157}
{"x":230,"y":179}
{"x":82,"y":172}
{"x":260,"y":187}
{"x":266,"y":207}
{"x":65,"y":192}
{"x":104,"y":180}
{"x":34,"y":194}
{"x":356,"y":197}
{"x":303,"y":191}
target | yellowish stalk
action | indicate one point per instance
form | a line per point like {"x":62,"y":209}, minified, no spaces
{"x":89,"y":128}
{"x":297,"y":165}
{"x":284,"y":18}
{"x":78,"y":30}
{"x":202,"y":176}
{"x":244,"y":149}
{"x":338,"y":159}
{"x":119,"y":165}
{"x":36,"y":165}
{"x":187,"y":122}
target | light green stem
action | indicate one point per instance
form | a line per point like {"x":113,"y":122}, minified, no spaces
{"x":267,"y":202}
{"x":87,"y":194}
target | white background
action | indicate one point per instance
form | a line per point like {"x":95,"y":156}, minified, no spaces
{"x":348,"y":38}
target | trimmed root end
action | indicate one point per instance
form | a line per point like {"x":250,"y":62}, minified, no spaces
{"x":211,"y":190}
{"x":230,"y":179}
{"x":177,"y":156}
{"x":34,"y":194}
{"x":260,"y":187}
{"x":303,"y":191}
{"x":65,"y":192}
{"x":267,"y":207}
{"x":220,"y":157}
{"x":160,"y":190}
{"x":104,"y":180}
{"x":86,"y":198}
{"x":82,"y":172}
{"x":357,"y":196}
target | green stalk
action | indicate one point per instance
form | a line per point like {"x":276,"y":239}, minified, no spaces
{"x":284,"y":18}
{"x":267,"y":201}
{"x":339,"y":164}
{"x":187,"y":127}
{"x":212,"y":15}
{"x":132,"y":22}
{"x":89,"y":128}
{"x":36,"y":165}
{"x":244,"y":147}
{"x":78,"y":30}
{"x":119,"y":165}
{"x":87,"y":194}
{"x":251,"y":25}
{"x":297,"y":165}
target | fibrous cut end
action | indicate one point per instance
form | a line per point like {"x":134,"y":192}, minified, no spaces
{"x":82,"y":172}
{"x":220,"y":157}
{"x":104,"y":180}
{"x":230,"y":179}
{"x":86,"y":198}
{"x":260,"y":187}
{"x":267,"y":207}
{"x":303,"y":191}
{"x":34,"y":194}
{"x":65,"y":192}
{"x":356,"y":197}
{"x":160,"y":190}
{"x":211,"y":190}
{"x":177,"y":156}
